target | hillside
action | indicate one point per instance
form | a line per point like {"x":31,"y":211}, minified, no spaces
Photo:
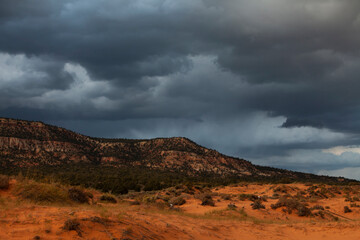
{"x":26,"y":144}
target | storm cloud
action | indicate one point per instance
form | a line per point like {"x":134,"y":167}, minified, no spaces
{"x":272,"y":81}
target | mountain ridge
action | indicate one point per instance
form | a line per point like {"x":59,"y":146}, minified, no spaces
{"x":33,"y":143}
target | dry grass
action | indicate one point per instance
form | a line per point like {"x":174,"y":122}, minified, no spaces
{"x":41,"y":192}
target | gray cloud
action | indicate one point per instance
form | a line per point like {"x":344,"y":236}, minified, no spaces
{"x":257,"y":79}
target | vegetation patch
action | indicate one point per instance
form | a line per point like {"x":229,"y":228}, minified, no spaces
{"x":72,"y":225}
{"x":41,"y":192}
{"x":347,"y":209}
{"x":257,"y":205}
{"x":206,"y":199}
{"x":108,"y":198}
{"x":4,"y":182}
{"x":292,"y":204}
{"x":78,"y":195}
{"x":177,"y":201}
{"x":251,"y":197}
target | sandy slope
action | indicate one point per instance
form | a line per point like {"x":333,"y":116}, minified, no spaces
{"x":25,"y":220}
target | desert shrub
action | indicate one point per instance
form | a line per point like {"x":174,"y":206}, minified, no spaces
{"x":41,"y":192}
{"x":78,"y":195}
{"x":335,"y":190}
{"x":303,"y":211}
{"x":72,"y":225}
{"x":251,"y":197}
{"x":206,"y":199}
{"x":232,"y":206}
{"x":275,"y":196}
{"x":327,"y":207}
{"x":354,"y":205}
{"x":136,"y":202}
{"x":292,"y":204}
{"x":347,"y":209}
{"x":281,"y":189}
{"x":317,"y":207}
{"x":226,"y":196}
{"x":108,"y":198}
{"x":257,"y":205}
{"x":89,"y":195}
{"x":319,"y":213}
{"x":171,"y":190}
{"x":166,"y":198}
{"x":208,"y":202}
{"x":4,"y":182}
{"x":149,"y":199}
{"x":177,"y":201}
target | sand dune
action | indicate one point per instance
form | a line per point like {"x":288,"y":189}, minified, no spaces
{"x":24,"y":219}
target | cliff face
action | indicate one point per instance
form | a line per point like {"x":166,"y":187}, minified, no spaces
{"x":24,"y":143}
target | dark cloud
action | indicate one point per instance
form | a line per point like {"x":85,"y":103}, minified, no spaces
{"x":290,"y":122}
{"x":256,"y":79}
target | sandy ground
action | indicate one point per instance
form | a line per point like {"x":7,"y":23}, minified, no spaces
{"x":21,"y":219}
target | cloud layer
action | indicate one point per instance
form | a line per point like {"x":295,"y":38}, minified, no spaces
{"x":274,"y":81}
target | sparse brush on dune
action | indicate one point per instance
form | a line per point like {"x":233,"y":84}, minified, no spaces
{"x":41,"y":192}
{"x":291,"y":205}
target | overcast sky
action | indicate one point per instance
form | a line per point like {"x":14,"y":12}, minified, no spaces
{"x":272,"y":81}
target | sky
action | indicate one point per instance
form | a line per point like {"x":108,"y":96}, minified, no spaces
{"x":272,"y":81}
